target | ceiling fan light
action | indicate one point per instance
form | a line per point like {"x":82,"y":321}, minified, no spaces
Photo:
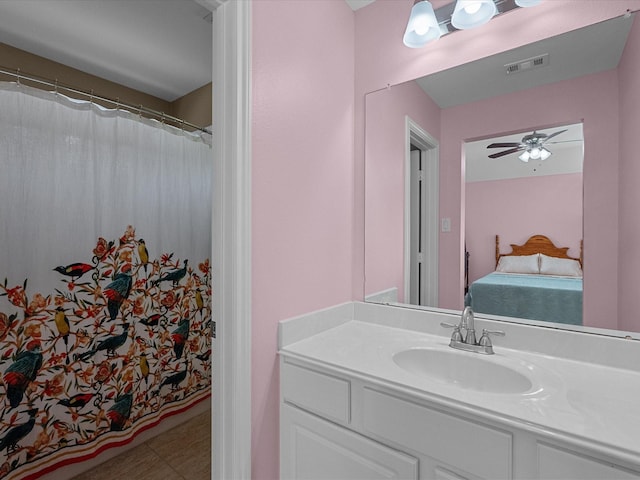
{"x":422,"y":26}
{"x":544,"y":154}
{"x":524,"y":156}
{"x":535,"y":153}
{"x":527,"y":3}
{"x":472,"y":13}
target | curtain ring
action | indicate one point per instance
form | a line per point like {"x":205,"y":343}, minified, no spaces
{"x":18,"y":75}
{"x":91,"y":97}
{"x":140,"y":112}
{"x":56,"y":86}
{"x":182,"y":124}
{"x":118,"y":103}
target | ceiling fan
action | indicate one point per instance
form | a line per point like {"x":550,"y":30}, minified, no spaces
{"x":532,"y":146}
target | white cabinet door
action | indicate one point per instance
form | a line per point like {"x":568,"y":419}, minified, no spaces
{"x":557,"y":463}
{"x":467,"y":446}
{"x":313,"y":448}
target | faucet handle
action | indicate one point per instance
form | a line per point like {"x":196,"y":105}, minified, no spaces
{"x":456,"y":336}
{"x":485,"y":341}
{"x":448,"y":325}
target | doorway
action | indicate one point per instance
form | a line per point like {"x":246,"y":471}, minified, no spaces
{"x":421,"y":217}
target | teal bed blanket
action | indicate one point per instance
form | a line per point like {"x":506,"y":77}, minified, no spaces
{"x":535,"y":297}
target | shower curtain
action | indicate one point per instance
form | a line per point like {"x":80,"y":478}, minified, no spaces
{"x":105,"y":284}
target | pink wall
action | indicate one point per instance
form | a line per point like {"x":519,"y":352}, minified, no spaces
{"x":308,"y":157}
{"x":384,"y":178}
{"x":550,"y":205}
{"x":629,"y":257}
{"x":302,"y":193}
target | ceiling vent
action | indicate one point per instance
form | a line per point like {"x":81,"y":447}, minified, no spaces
{"x":527,"y":64}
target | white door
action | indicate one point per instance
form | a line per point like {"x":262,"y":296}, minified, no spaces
{"x":416,"y":227}
{"x":421,"y":217}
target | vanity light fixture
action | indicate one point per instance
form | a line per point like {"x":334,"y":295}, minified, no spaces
{"x":472,"y":13}
{"x":422,"y":27}
{"x":426,"y":25}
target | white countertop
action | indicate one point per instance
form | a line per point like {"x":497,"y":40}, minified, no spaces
{"x":595,"y":406}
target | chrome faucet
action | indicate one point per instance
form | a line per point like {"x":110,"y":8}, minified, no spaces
{"x":467,"y":321}
{"x":468,"y":342}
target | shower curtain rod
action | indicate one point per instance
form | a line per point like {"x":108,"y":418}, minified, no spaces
{"x":136,"y":108}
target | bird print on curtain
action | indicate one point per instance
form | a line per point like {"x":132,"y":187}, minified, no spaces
{"x":122,"y":336}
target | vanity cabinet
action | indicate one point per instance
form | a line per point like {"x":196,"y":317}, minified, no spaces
{"x":335,"y":425}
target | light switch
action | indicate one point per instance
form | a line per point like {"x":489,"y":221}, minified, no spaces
{"x":446,"y":224}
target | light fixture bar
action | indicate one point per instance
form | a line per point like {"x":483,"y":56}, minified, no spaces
{"x":443,"y":14}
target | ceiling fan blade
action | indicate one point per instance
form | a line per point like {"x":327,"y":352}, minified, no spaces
{"x":504,"y":145}
{"x":506,"y":152}
{"x":565,"y":141}
{"x":549,"y":137}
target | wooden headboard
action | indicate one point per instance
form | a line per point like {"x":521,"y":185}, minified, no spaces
{"x":536,"y":244}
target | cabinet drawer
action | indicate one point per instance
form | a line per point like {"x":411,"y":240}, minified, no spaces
{"x":317,"y":392}
{"x":554,"y":462}
{"x":314,"y":449}
{"x":469,"y":446}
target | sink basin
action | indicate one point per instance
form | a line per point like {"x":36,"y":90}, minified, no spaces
{"x":466,"y":370}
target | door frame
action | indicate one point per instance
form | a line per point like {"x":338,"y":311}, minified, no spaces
{"x":231,"y":238}
{"x":416,"y":135}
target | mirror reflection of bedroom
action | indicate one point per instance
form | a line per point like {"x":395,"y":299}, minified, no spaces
{"x":525,"y":259}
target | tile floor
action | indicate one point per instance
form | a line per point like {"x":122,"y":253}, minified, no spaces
{"x":182,"y":453}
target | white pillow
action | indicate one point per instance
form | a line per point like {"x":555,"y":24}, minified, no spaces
{"x":519,"y":264}
{"x":559,"y":266}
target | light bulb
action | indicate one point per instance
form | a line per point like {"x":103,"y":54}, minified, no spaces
{"x":472,"y":13}
{"x":421,"y":28}
{"x":524,"y":156}
{"x":527,"y":3}
{"x":535,"y":153}
{"x":472,"y":8}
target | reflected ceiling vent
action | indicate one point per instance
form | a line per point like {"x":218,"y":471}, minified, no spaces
{"x":527,"y":64}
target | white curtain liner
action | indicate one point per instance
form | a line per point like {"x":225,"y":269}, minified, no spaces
{"x":103,"y":111}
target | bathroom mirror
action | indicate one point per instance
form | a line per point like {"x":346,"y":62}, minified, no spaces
{"x":572,"y":80}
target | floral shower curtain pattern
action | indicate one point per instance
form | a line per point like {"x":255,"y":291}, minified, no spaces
{"x":105,"y":284}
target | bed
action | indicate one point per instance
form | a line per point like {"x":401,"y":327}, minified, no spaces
{"x":536,"y":281}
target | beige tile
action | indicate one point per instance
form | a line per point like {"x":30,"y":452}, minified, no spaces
{"x":141,"y":463}
{"x":184,"y":452}
{"x":187,"y":447}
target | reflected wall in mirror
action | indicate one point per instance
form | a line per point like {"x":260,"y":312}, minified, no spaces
{"x":479,"y":101}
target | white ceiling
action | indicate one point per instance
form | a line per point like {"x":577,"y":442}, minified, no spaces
{"x":581,"y":52}
{"x":161,"y":47}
